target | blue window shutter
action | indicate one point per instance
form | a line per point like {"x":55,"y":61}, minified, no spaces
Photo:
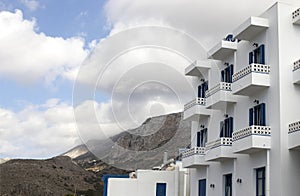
{"x":206,"y":85}
{"x":222,"y":76}
{"x":203,"y":89}
{"x":255,"y":54}
{"x":230,"y":73}
{"x":204,"y":137}
{"x":199,"y":91}
{"x":263,"y":114}
{"x":226,"y":127}
{"x":227,"y":74}
{"x":230,"y":122}
{"x":221,"y":129}
{"x":198,"y":138}
{"x":250,"y":116}
{"x":255,"y":119}
{"x":262,"y":54}
{"x":250,"y":58}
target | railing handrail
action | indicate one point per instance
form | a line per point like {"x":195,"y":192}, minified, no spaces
{"x":223,"y":141}
{"x":251,"y":130}
{"x":220,"y":86}
{"x":296,"y":13}
{"x":193,"y":151}
{"x":296,"y":65}
{"x":293,"y":127}
{"x":254,"y":67}
{"x":197,"y":101}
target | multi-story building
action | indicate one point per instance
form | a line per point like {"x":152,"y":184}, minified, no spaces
{"x":246,"y":114}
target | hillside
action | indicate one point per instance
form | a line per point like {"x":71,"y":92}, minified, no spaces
{"x":56,"y":176}
{"x":81,"y":171}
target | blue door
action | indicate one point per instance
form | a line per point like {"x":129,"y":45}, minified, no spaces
{"x":202,"y":187}
{"x":161,"y":189}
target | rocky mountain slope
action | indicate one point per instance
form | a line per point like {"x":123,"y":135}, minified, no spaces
{"x":144,"y":146}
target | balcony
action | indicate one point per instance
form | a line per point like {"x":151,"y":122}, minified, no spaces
{"x":219,"y":150}
{"x":251,"y":139}
{"x":251,"y":28}
{"x":222,"y":50}
{"x":194,"y":157}
{"x":219,"y":96}
{"x":196,"y":109}
{"x":198,"y":68}
{"x":296,"y":17}
{"x":251,"y":79}
{"x":296,"y":72}
{"x":294,"y":135}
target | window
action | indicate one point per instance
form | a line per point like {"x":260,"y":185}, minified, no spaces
{"x":257,"y":115}
{"x":226,"y":127}
{"x":260,"y":182}
{"x":202,"y":88}
{"x":202,"y":187}
{"x":258,"y":55}
{"x":202,"y":138}
{"x":226,"y":74}
{"x":228,"y":184}
{"x":161,"y":189}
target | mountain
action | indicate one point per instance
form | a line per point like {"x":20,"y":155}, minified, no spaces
{"x":76,"y":151}
{"x":80,"y":170}
{"x":55,"y":176}
{"x":142,"y":147}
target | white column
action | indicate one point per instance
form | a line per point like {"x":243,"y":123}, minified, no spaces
{"x":234,"y":177}
{"x":268,"y":174}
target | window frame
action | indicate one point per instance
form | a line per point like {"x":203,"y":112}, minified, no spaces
{"x":201,"y":138}
{"x":227,"y":73}
{"x":257,"y":115}
{"x":199,"y":187}
{"x":263,"y":178}
{"x":258,"y":55}
{"x":226,"y":177}
{"x":165,"y":189}
{"x":226,"y":127}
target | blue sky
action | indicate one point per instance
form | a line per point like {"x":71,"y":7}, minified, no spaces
{"x":55,"y":18}
{"x":44,"y":44}
{"x":65,"y":18}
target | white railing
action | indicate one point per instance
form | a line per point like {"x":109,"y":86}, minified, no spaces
{"x":221,"y":86}
{"x":293,"y":127}
{"x":296,"y":65}
{"x":223,"y":141}
{"x":193,"y":151}
{"x":254,"y":67}
{"x":296,"y":13}
{"x":251,"y":130}
{"x":197,"y":101}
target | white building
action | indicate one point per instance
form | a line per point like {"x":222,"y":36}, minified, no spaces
{"x":246,"y":117}
{"x":151,"y":182}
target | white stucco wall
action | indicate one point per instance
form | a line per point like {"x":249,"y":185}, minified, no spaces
{"x":145,"y":183}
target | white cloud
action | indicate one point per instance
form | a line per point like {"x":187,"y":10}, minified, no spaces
{"x":28,"y":56}
{"x":38,"y":130}
{"x":32,"y":5}
{"x":208,"y":21}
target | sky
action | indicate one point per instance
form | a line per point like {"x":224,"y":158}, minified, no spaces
{"x":72,"y":71}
